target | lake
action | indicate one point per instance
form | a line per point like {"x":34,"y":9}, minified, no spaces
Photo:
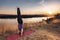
{"x":25,"y":20}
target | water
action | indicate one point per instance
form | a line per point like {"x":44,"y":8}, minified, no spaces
{"x":25,"y":20}
{"x":32,"y":20}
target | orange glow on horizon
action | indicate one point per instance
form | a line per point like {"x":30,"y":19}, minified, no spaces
{"x":49,"y":9}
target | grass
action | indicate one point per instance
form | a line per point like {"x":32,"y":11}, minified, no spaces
{"x":42,"y":31}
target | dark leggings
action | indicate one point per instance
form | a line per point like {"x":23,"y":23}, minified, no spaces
{"x":19,"y":18}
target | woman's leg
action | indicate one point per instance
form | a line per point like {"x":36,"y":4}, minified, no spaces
{"x":20,"y":22}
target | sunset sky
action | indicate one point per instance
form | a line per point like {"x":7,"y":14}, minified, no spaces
{"x":30,"y":6}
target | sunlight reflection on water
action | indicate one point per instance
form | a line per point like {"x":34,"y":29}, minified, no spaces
{"x":25,"y":20}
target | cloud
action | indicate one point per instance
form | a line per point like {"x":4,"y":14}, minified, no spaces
{"x":42,"y":3}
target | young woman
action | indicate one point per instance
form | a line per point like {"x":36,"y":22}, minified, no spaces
{"x":20,"y":22}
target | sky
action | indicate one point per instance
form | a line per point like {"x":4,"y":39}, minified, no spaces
{"x":30,"y":6}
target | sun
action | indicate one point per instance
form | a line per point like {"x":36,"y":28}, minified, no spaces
{"x":50,"y":9}
{"x":49,"y":12}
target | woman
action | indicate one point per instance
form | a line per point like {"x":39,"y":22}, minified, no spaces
{"x":20,"y":22}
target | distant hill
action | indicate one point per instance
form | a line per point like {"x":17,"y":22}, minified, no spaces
{"x":51,"y":19}
{"x":57,"y":16}
{"x":5,"y":16}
